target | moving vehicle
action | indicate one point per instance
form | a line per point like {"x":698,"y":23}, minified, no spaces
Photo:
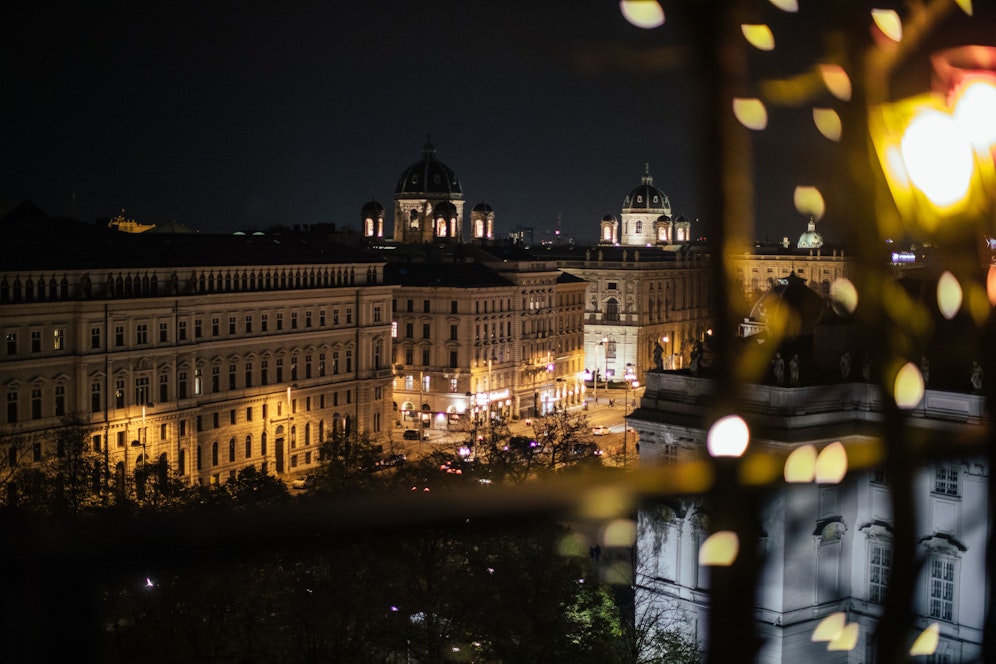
{"x":305,"y":482}
{"x":600,"y":430}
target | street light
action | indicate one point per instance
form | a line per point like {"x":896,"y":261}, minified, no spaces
{"x":631,"y":382}
{"x":595,"y":376}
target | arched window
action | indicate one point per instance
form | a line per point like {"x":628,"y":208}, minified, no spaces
{"x":611,"y":310}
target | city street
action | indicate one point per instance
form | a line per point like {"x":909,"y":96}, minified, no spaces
{"x":600,"y":414}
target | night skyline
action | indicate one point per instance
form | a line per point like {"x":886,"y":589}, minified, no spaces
{"x":242,"y":115}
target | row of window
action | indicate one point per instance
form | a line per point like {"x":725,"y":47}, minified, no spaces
{"x":56,"y":341}
{"x":941,"y":582}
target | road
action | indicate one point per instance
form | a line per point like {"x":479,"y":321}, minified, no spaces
{"x":611,"y":416}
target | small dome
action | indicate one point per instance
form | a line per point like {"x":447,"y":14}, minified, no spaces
{"x":792,"y":298}
{"x":446,"y":210}
{"x":810,"y":239}
{"x":647,"y":196}
{"x":664,"y":217}
{"x":429,"y":176}
{"x":371,"y":209}
{"x":483,"y":207}
{"x":609,"y":217}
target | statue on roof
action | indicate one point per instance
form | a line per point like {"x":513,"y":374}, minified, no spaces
{"x":658,"y":356}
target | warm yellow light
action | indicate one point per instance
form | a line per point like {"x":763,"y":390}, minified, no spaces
{"x":975,"y":113}
{"x":829,"y":627}
{"x":620,"y":532}
{"x":949,"y":295}
{"x":966,"y":6}
{"x":843,"y":295}
{"x":720,"y":549}
{"x":786,"y":5}
{"x":809,"y":201}
{"x":926,"y":643}
{"x":888,"y":22}
{"x":837,"y":81}
{"x":938,"y":158}
{"x":831,"y":464}
{"x":646,"y":14}
{"x":751,"y":113}
{"x":800,"y":466}
{"x":991,"y":285}
{"x":759,"y":36}
{"x":847,"y":639}
{"x":828,"y":123}
{"x":908,"y":388}
{"x":728,"y":437}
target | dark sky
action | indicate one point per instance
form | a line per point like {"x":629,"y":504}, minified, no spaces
{"x":227,"y":115}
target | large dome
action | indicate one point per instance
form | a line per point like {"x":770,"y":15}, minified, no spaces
{"x":429,"y":177}
{"x":647,"y":197}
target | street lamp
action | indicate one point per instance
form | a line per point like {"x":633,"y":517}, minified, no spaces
{"x":631,"y":383}
{"x":595,"y":376}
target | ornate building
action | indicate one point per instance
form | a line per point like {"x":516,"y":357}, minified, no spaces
{"x":206,"y":354}
{"x":428,"y":201}
{"x":646,"y":219}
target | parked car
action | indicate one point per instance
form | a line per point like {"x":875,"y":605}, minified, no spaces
{"x":305,"y":482}
{"x":600,"y":430}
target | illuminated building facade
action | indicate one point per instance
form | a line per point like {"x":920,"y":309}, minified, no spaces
{"x":825,"y":548}
{"x":205,"y":353}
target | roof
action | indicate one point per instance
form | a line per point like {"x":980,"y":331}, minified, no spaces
{"x":443,"y":274}
{"x":39,"y":242}
{"x":429,"y":176}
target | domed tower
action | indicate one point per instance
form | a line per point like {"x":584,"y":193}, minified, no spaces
{"x":482,"y":222}
{"x":682,"y":230}
{"x":663,"y":230}
{"x":372,"y":218}
{"x":424,"y":188}
{"x":811,"y":239}
{"x":608,"y":231}
{"x":641,"y":208}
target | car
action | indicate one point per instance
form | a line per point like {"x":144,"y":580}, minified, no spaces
{"x":412,"y":434}
{"x":305,"y":482}
{"x":600,"y":430}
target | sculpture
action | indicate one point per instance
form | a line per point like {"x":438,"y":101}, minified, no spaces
{"x":658,"y":357}
{"x":976,"y":376}
{"x":794,"y":370}
{"x":778,"y":366}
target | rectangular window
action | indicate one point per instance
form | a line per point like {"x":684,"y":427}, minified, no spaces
{"x":293,"y":320}
{"x":95,"y":398}
{"x":181,"y":385}
{"x":264,"y":372}
{"x":453,"y":306}
{"x":426,"y":329}
{"x":264,"y":323}
{"x":36,"y":341}
{"x":163,"y":387}
{"x":249,"y":414}
{"x":120,"y":439}
{"x":409,"y":330}
{"x":198,"y":382}
{"x":58,"y":339}
{"x":182,"y":428}
{"x":946,"y":480}
{"x":231,"y":325}
{"x":215,"y":420}
{"x":335,"y":317}
{"x":321,"y":364}
{"x":141,"y":334}
{"x":280,"y":321}
{"x":216,"y":379}
{"x":94,"y":337}
{"x":376,"y":313}
{"x":231,"y":377}
{"x":198,"y":328}
{"x":453,"y":359}
{"x":60,"y":400}
{"x":294,"y":368}
{"x":231,"y":416}
{"x":941,"y":589}
{"x":409,"y":356}
{"x":248,"y":374}
{"x":96,"y":443}
{"x":12,"y":343}
{"x":321,"y":317}
{"x":410,"y":306}
{"x":425,"y":356}
{"x":280,"y":369}
{"x":163,"y":332}
{"x":879,"y":564}
{"x":36,"y":403}
{"x":181,"y":330}
{"x":215,"y":327}
{"x":425,"y":306}
{"x":119,"y":393}
{"x":349,"y":315}
{"x":248,"y":324}
{"x":307,"y":319}
{"x":453,"y":332}
{"x":142,"y":390}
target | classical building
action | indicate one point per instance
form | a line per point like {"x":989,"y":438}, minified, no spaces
{"x":483,"y":332}
{"x":205,"y":353}
{"x":827,"y":547}
{"x":646,"y":219}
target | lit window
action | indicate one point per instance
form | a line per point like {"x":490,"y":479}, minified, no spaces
{"x":941,"y":589}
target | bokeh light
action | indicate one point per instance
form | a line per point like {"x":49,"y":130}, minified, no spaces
{"x":949,"y":295}
{"x":938,"y":157}
{"x":888,"y":22}
{"x":646,"y":14}
{"x":800,"y":466}
{"x":831,"y":464}
{"x":828,"y":123}
{"x":809,"y":201}
{"x":965,"y":5}
{"x":843,"y":296}
{"x":926,"y":642}
{"x":975,"y":111}
{"x":751,"y":113}
{"x":619,"y":532}
{"x":759,"y":36}
{"x":786,"y":5}
{"x":728,"y":437}
{"x":829,"y":627}
{"x":837,"y":81}
{"x":909,"y":386}
{"x":720,"y":549}
{"x":847,"y":639}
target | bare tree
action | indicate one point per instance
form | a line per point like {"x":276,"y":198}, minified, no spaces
{"x":15,"y":450}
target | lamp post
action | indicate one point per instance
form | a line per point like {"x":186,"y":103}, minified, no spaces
{"x":595,"y":376}
{"x":631,"y":382}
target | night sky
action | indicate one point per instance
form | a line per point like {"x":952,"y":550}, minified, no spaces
{"x":228,"y":115}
